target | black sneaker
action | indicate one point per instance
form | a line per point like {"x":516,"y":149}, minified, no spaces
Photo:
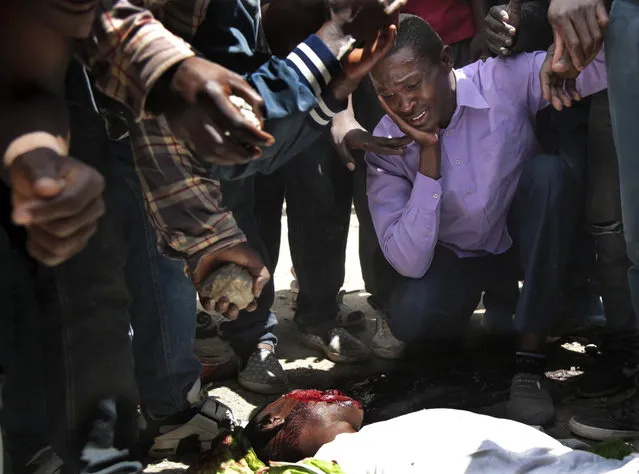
{"x":530,"y":401}
{"x":337,"y":344}
{"x":608,"y":376}
{"x":190,"y":431}
{"x":618,"y":422}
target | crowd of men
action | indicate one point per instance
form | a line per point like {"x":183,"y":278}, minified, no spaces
{"x":482,"y":145}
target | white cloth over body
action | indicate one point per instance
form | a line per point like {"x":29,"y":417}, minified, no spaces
{"x":453,"y":441}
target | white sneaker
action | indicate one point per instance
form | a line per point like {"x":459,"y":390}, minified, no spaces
{"x":385,"y":345}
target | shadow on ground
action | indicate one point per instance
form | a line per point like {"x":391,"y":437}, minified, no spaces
{"x":471,"y":376}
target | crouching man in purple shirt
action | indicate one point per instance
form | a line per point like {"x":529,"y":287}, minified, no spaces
{"x":472,"y":199}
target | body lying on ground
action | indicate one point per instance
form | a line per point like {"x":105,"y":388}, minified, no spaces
{"x":320,"y":432}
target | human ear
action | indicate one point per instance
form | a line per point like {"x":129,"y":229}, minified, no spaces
{"x":271,"y":422}
{"x":446,"y":58}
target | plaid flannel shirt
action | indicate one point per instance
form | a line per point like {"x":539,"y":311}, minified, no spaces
{"x":130,"y":50}
{"x":183,"y":199}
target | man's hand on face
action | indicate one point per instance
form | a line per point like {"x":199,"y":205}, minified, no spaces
{"x":349,"y":135}
{"x":423,"y":139}
{"x":207,"y":119}
{"x":579,"y":26}
{"x":502,"y":22}
{"x":558,"y":79}
{"x":360,"y":61}
{"x":244,"y":256}
{"x":58,"y":200}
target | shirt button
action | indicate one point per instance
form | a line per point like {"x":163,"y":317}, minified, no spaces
{"x":458,"y":162}
{"x":469,"y":191}
{"x":429,"y":233}
{"x":435,"y":196}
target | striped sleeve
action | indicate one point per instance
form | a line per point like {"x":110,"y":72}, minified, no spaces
{"x":316,"y":66}
{"x":327,"y":107}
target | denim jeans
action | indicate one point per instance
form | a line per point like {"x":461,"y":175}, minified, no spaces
{"x":163,"y":301}
{"x":318,"y":192}
{"x":622,"y":62}
{"x":541,"y":222}
{"x":604,"y":216}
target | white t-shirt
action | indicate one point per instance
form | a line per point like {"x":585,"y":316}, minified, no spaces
{"x":453,"y":441}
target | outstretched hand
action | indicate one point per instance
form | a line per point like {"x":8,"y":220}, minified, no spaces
{"x":203,"y":115}
{"x":501,"y":26}
{"x":360,"y":61}
{"x":579,"y":26}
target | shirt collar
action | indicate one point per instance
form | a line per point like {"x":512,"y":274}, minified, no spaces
{"x":467,"y":94}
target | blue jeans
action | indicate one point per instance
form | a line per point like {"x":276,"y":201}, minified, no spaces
{"x":163,"y":301}
{"x":622,"y":61}
{"x":610,"y":277}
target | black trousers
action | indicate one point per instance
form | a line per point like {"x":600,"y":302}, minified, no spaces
{"x":317,"y":188}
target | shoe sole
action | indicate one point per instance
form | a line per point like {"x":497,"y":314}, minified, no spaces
{"x":599,"y":434}
{"x":334,"y":357}
{"x":194,"y":436}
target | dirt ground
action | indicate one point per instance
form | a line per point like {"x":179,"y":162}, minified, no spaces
{"x":475,"y":377}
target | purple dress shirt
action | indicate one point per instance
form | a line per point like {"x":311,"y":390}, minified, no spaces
{"x":488,"y":139}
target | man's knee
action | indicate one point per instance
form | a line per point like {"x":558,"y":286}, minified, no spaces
{"x":547,"y":176}
{"x":547,"y":169}
{"x":413,"y":316}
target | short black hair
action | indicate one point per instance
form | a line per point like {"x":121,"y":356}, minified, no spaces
{"x":417,"y":34}
{"x":286,"y":447}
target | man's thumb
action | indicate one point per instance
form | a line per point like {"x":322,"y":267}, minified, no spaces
{"x":260,"y":280}
{"x":346,"y":156}
{"x":561,"y":61}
